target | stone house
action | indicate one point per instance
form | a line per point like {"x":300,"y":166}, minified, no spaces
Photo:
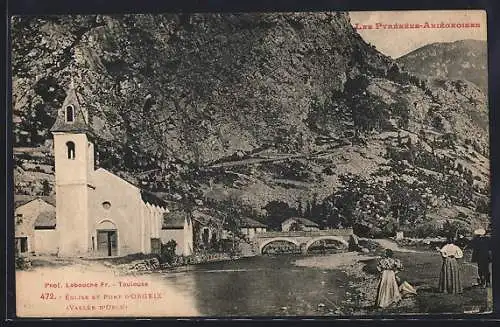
{"x":250,"y":227}
{"x":298,"y":224}
{"x":35,"y":225}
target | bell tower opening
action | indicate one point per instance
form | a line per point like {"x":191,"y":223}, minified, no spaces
{"x":70,"y":147}
{"x":70,"y":114}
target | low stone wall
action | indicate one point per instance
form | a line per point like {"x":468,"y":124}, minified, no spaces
{"x":316,"y":233}
{"x":153,"y":264}
{"x":422,"y":243}
{"x":141,"y":265}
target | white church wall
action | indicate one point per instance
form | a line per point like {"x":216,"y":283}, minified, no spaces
{"x":125,"y":206}
{"x":146,"y":228}
{"x":46,"y":241}
{"x":156,"y":220}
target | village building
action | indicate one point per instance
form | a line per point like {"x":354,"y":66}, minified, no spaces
{"x":298,"y":224}
{"x":97,"y":213}
{"x":177,"y":226}
{"x":208,"y":230}
{"x":34,"y":220}
{"x":250,"y":227}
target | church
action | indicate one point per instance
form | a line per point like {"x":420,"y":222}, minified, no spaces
{"x":98,"y":214}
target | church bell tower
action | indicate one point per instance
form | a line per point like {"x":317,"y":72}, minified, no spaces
{"x":74,"y":163}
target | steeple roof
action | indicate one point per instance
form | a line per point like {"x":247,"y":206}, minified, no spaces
{"x":80,"y":121}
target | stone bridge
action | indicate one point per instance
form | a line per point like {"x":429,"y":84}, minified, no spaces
{"x":302,"y":239}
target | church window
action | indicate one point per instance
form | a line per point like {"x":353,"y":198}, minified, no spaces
{"x":106,"y":205}
{"x":70,"y":114}
{"x":155,"y":246}
{"x":71,"y":150}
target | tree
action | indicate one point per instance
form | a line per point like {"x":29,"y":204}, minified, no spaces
{"x":394,"y":73}
{"x":46,"y":189}
{"x":231,"y":211}
{"x":407,"y":204}
{"x":300,"y":210}
{"x":277,"y":212}
{"x":167,"y":253}
{"x":401,"y":109}
{"x":308,"y":211}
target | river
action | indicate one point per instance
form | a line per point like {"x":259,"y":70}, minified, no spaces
{"x":259,"y":286}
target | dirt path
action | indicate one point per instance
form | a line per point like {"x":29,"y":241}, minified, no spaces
{"x":333,"y":261}
{"x":389,"y":244}
{"x":343,"y":260}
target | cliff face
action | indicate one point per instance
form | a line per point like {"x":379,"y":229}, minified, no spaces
{"x":275,"y":106}
{"x":464,"y":60}
{"x":212,"y":84}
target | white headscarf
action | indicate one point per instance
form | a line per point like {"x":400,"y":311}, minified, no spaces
{"x":451,"y":250}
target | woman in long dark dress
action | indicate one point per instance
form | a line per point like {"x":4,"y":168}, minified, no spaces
{"x":449,"y":278}
{"x":388,"y":290}
{"x":481,"y":255}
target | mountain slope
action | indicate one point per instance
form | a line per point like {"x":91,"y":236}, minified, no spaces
{"x":267,"y":108}
{"x":465,"y":60}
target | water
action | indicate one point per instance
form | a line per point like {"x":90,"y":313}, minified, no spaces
{"x":259,"y":286}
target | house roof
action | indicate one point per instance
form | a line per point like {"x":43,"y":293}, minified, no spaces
{"x":205,"y":219}
{"x":20,"y":200}
{"x":303,"y":221}
{"x":251,"y":223}
{"x":151,"y":198}
{"x":46,"y":220}
{"x":174,"y":219}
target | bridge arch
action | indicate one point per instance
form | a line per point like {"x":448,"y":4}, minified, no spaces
{"x":277,"y":239}
{"x":320,"y":238}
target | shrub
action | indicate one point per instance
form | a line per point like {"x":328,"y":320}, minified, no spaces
{"x":390,"y":228}
{"x":483,"y":206}
{"x":453,"y":229}
{"x":370,"y":245}
{"x":167,"y":254}
{"x":22,"y":263}
{"x":427,"y":229}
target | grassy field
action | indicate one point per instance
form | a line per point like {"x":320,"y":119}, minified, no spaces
{"x":422,"y":271}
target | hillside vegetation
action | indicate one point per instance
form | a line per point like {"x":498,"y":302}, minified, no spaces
{"x":464,"y":59}
{"x":276,"y":113}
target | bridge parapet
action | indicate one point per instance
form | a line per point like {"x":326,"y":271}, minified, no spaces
{"x":316,"y":233}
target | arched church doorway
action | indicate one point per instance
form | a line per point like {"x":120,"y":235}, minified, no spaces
{"x":107,"y":239}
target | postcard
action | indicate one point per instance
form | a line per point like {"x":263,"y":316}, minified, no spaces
{"x":251,"y":164}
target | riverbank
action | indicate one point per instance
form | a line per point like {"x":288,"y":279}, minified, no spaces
{"x":149,"y":263}
{"x":351,"y":292}
{"x":421,"y":269}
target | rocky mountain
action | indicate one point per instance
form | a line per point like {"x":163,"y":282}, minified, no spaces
{"x":284,"y":112}
{"x":464,"y":60}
